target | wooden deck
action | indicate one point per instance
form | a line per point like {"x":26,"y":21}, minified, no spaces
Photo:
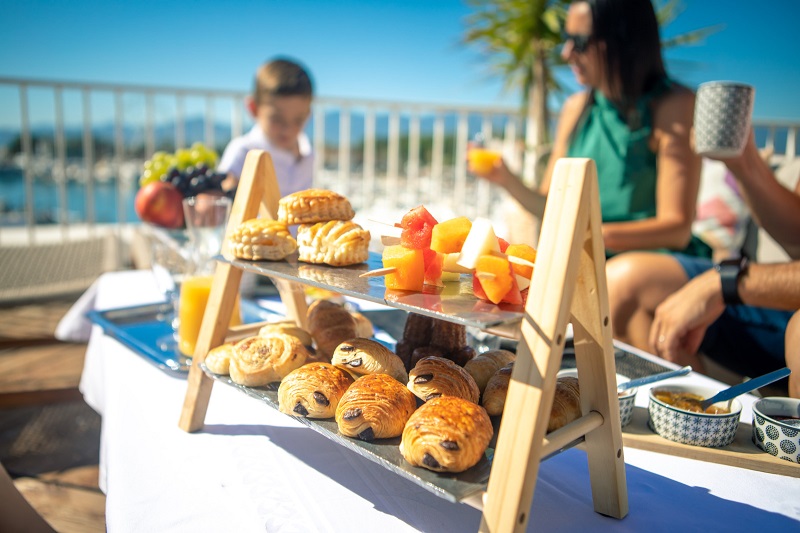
{"x":49,"y":438}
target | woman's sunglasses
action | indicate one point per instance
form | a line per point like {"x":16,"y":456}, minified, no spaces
{"x":580,"y":43}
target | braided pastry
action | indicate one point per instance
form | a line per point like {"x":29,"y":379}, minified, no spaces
{"x":313,"y":390}
{"x":376,"y":406}
{"x":366,"y":356}
{"x":334,"y":242}
{"x":435,"y":376}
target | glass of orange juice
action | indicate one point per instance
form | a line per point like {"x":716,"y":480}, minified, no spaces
{"x":481,"y":159}
{"x":194,"y":293}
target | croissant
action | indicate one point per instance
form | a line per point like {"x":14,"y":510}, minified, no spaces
{"x":366,"y":356}
{"x":329,"y":324}
{"x":313,"y":390}
{"x":257,"y":361}
{"x":446,"y":434}
{"x":290,"y":328}
{"x":218,"y":360}
{"x":494,"y":395}
{"x":376,"y":406}
{"x":483,"y":367}
{"x":436,"y":376}
{"x":364,"y":327}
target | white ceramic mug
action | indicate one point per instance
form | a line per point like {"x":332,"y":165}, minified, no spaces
{"x":722,"y":118}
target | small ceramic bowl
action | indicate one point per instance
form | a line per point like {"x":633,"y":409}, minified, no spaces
{"x":688,"y":427}
{"x":776,"y":427}
{"x":626,"y":397}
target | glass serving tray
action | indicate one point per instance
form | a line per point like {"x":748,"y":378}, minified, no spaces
{"x":455,"y":302}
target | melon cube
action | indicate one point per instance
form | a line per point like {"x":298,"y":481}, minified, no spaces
{"x":448,"y":237}
{"x":409,"y":274}
{"x":480,"y":241}
{"x":526,"y":252}
{"x":495,"y":276}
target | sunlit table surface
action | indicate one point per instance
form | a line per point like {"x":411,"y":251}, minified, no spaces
{"x":252,"y":468}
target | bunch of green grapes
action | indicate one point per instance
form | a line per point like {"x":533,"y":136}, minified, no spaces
{"x":162,"y":165}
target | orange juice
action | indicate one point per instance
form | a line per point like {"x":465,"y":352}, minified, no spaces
{"x":191,"y":307}
{"x":481,"y":160}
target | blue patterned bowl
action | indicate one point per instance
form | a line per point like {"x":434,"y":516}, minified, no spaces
{"x":778,"y":437}
{"x":687,"y":427}
{"x":626,"y":398}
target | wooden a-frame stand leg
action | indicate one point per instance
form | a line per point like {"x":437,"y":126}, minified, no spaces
{"x":258,"y":192}
{"x":568,"y":284}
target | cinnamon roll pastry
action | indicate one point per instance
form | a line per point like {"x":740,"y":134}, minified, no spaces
{"x":313,"y":390}
{"x":435,"y":376}
{"x":259,"y":238}
{"x":494,"y":395}
{"x":314,"y":205}
{"x":330,"y":324}
{"x":218,"y":360}
{"x":376,"y":406}
{"x":333,"y":242}
{"x":288,"y":327}
{"x":257,"y":361}
{"x":446,"y":434}
{"x":484,"y":366}
{"x":366,"y":356}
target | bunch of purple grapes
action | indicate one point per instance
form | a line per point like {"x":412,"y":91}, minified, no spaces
{"x":194,"y":180}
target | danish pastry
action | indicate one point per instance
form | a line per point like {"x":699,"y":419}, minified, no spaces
{"x":313,"y":205}
{"x":218,"y":360}
{"x":290,"y":328}
{"x":257,"y":361}
{"x":313,"y":390}
{"x":366,"y":356}
{"x":435,"y":376}
{"x":446,"y":434}
{"x":330,"y":324}
{"x":483,"y":367}
{"x":259,"y":238}
{"x":334,"y":242}
{"x":376,"y":406}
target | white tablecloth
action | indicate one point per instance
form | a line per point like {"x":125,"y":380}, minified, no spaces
{"x":254,"y":469}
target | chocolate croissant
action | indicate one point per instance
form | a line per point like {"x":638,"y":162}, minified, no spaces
{"x":329,"y":324}
{"x":257,"y":361}
{"x":365,"y":356}
{"x":436,"y":376}
{"x":484,"y":366}
{"x":494,"y":395}
{"x":313,"y":390}
{"x":446,"y":434}
{"x":376,"y":406}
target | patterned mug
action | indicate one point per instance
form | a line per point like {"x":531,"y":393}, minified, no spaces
{"x":722,"y":118}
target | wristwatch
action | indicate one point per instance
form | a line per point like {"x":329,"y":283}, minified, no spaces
{"x":729,"y":272}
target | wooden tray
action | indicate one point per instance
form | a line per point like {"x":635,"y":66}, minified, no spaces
{"x":741,"y":452}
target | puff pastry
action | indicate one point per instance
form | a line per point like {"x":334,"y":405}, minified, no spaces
{"x":376,"y":406}
{"x":334,"y":242}
{"x":218,"y":360}
{"x":257,"y":361}
{"x":314,"y":205}
{"x":435,"y":376}
{"x":290,"y":328}
{"x":446,"y":434}
{"x":366,"y":356}
{"x":330,"y":324}
{"x":258,"y":239}
{"x":484,"y":366}
{"x":494,"y":395}
{"x":313,"y":390}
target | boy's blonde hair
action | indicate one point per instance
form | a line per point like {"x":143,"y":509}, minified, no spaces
{"x":281,"y":77}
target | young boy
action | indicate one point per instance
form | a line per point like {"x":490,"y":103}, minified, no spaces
{"x":281,"y":106}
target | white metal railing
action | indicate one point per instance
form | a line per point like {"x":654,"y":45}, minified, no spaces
{"x":385,"y":156}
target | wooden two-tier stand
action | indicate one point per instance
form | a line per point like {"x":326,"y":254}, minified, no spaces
{"x":568,"y":285}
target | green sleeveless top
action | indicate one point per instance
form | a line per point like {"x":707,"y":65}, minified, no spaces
{"x":626,"y":167}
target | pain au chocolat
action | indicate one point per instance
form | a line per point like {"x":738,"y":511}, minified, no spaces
{"x":365,"y":356}
{"x":435,"y":376}
{"x":484,"y":366}
{"x":376,"y":406}
{"x":446,"y":434}
{"x":313,"y":390}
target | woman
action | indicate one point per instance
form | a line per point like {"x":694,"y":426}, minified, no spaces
{"x":633,"y":121}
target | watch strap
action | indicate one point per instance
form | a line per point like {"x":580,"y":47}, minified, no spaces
{"x":729,"y":272}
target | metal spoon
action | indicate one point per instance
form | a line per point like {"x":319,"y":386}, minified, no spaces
{"x":655,"y":377}
{"x":744,"y":387}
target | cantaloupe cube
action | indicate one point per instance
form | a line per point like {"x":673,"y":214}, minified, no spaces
{"x":495,"y":276}
{"x":523,"y":251}
{"x":448,"y":237}
{"x":410,"y":268}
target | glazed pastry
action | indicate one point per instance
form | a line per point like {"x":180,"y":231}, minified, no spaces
{"x":494,"y":395}
{"x":258,"y":239}
{"x":376,"y":406}
{"x":334,"y":242}
{"x":218,"y":360}
{"x":290,"y":328}
{"x":364,"y":326}
{"x":435,"y":376}
{"x":484,"y":366}
{"x":566,"y":403}
{"x":313,"y":390}
{"x":313,"y":205}
{"x":257,"y":361}
{"x":446,"y":434}
{"x":365,"y":356}
{"x":330,"y":324}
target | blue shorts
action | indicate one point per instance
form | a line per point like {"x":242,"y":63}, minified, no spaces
{"x":748,"y":340}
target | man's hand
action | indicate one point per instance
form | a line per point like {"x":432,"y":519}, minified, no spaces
{"x":681,"y":320}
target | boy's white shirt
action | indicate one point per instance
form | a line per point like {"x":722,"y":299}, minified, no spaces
{"x":294,"y":173}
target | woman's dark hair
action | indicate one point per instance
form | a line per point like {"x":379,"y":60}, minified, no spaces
{"x":633,"y":62}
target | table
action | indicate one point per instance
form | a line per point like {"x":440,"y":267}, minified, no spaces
{"x":252,"y":468}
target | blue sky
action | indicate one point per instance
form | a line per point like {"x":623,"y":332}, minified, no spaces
{"x":384,"y":49}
